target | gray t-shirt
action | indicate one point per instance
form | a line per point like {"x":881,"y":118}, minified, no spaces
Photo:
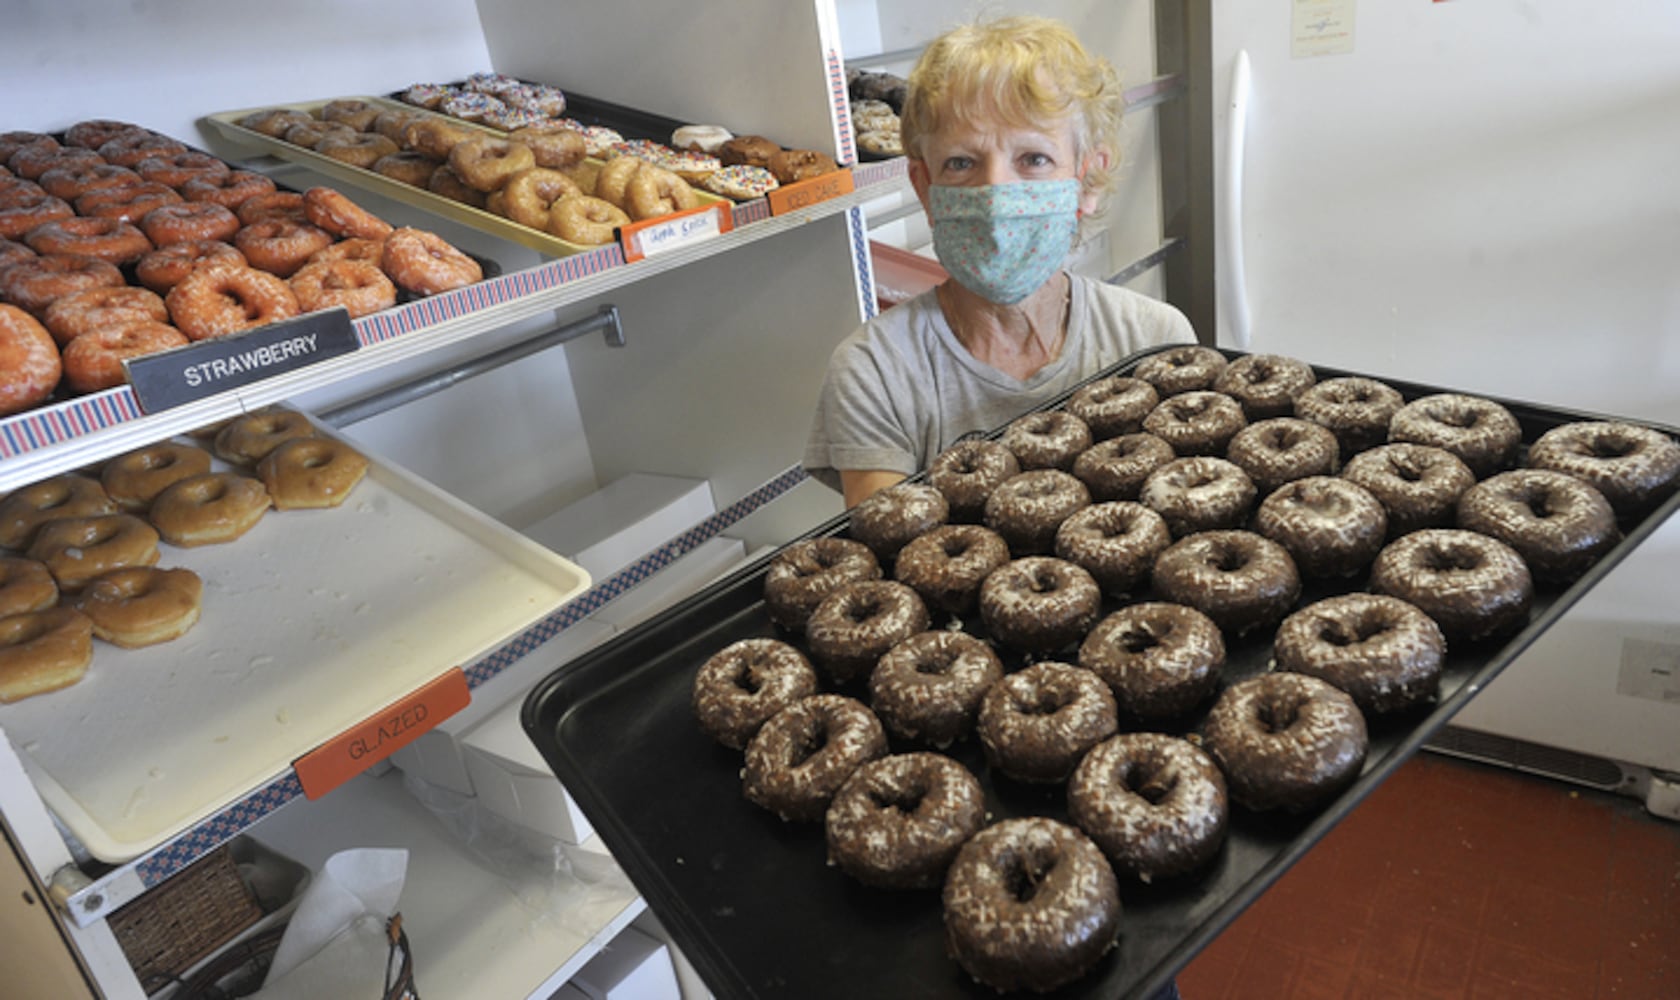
{"x":901,"y":388}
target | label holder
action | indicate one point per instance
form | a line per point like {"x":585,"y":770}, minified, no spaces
{"x":665,"y":233}
{"x":811,"y":191}
{"x":209,"y":367}
{"x":381,"y":734}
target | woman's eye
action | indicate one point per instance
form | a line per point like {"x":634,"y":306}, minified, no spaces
{"x":958,"y":163}
{"x":1037,"y":160}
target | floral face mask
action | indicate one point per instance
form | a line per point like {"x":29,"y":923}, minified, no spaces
{"x":1003,"y":241}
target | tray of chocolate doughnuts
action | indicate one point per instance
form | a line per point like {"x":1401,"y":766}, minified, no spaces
{"x":768,"y":907}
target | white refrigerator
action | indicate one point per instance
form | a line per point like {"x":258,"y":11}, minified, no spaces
{"x":1483,"y":195}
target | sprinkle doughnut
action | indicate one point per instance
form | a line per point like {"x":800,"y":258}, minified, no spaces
{"x":1196,"y":422}
{"x":801,"y":575}
{"x":1636,"y":468}
{"x":77,"y":549}
{"x":1475,"y":587}
{"x":1161,"y":660}
{"x":216,"y":301}
{"x":1039,"y":604}
{"x":1241,"y":580}
{"x":1113,"y":406}
{"x":486,"y":163}
{"x":1199,"y":494}
{"x":274,"y":122}
{"x":94,"y":361}
{"x":163,"y":268}
{"x":1332,"y":527}
{"x":1181,"y":369}
{"x":43,"y":651}
{"x":1385,"y":653}
{"x":1116,"y":469}
{"x":247,"y":440}
{"x":186,"y":223}
{"x":338,"y":215}
{"x":948,"y":563}
{"x":104,"y":238}
{"x":1417,"y":485}
{"x":96,"y":132}
{"x":311,"y":473}
{"x":793,"y":165}
{"x":530,"y":194}
{"x":784,"y":775}
{"x":927,"y":689}
{"x":585,"y":221}
{"x":855,"y":625}
{"x":741,"y":183}
{"x":1035,"y":724}
{"x":1028,"y":508}
{"x":426,"y":263}
{"x":29,"y":362}
{"x":898,"y":821}
{"x":743,"y":684}
{"x":748,"y":150}
{"x":142,"y":605}
{"x":887,"y":519}
{"x":134,"y":479}
{"x":1154,"y":803}
{"x":126,"y":204}
{"x":229,"y":190}
{"x":73,"y":180}
{"x":31,"y":209}
{"x":1265,"y":384}
{"x":209,"y":509}
{"x":1557,"y":523}
{"x":1050,"y":439}
{"x":280,"y":246}
{"x":1481,"y":432}
{"x":274,"y":205}
{"x":25,"y":585}
{"x":357,"y":285}
{"x":175,"y":169}
{"x":129,"y":148}
{"x":1285,"y":741}
{"x":554,"y":147}
{"x":427,"y":95}
{"x":653,"y":191}
{"x":26,"y":509}
{"x":33,"y":285}
{"x":359,"y":149}
{"x":1277,"y":450}
{"x":1357,"y":410}
{"x":1115,"y":542}
{"x":967,"y":473}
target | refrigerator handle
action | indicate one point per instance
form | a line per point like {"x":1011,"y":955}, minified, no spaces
{"x":1232,"y":285}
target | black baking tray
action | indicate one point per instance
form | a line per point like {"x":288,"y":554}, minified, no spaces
{"x":750,"y":899}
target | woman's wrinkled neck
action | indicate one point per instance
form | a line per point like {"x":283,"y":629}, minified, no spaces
{"x":1017,"y":339}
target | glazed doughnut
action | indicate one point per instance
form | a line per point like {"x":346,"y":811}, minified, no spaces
{"x":413,"y":169}
{"x":612,"y":184}
{"x":142,"y":605}
{"x":189,"y":222}
{"x":747,"y":150}
{"x":1117,"y":468}
{"x":126,"y":204}
{"x":280,"y":246}
{"x":530,"y":194}
{"x":1050,"y":439}
{"x":1030,"y":903}
{"x":1161,"y":660}
{"x":486,"y":163}
{"x":967,"y":473}
{"x":585,"y":221}
{"x":359,"y":115}
{"x":1154,"y":803}
{"x":554,"y":147}
{"x":311,"y":473}
{"x":29,"y":362}
{"x":1115,"y":542}
{"x":1039,"y":604}
{"x":447,"y":183}
{"x":73,"y":180}
{"x":426,"y":264}
{"x":927,"y":688}
{"x":793,"y":165}
{"x":216,"y":301}
{"x":786,"y":776}
{"x":741,"y":182}
{"x":309,"y":134}
{"x":34,"y":284}
{"x":27,"y":585}
{"x":1241,"y":580}
{"x":1557,"y":523}
{"x":33,"y":161}
{"x":94,"y":361}
{"x":1356,"y":410}
{"x":77,"y":549}
{"x":898,"y":821}
{"x":1285,"y":741}
{"x":1479,"y":431}
{"x":1475,"y":587}
{"x":129,"y":148}
{"x":247,"y":440}
{"x":176,"y":169}
{"x":274,"y":122}
{"x":24,"y":510}
{"x":1265,"y":384}
{"x":371,"y":251}
{"x":434,"y":137}
{"x":1386,"y":654}
{"x":1035,"y":724}
{"x":229,"y":190}
{"x":43,"y":651}
{"x":1181,"y":369}
{"x":743,"y":684}
{"x":338,"y":215}
{"x":855,"y":625}
{"x":1113,"y":406}
{"x":889,"y":518}
{"x":209,"y":509}
{"x":357,"y":285}
{"x":653,"y":191}
{"x":359,"y":149}
{"x":801,"y":575}
{"x":286,"y":205}
{"x":1028,"y":508}
{"x":1332,"y":527}
{"x":1417,"y":485}
{"x":1636,"y":468}
{"x":96,"y":132}
{"x":1196,"y":422}
{"x":135,"y":478}
{"x":1199,"y":494}
{"x":947,"y":565}
{"x":12,"y":253}
{"x":393,"y":124}
{"x":29,"y":210}
{"x":12,"y":142}
{"x":1277,"y":450}
{"x":14,"y":190}
{"x":105,"y":239}
{"x":163,"y":268}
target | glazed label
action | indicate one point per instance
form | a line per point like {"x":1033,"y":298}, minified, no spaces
{"x":804,"y":194}
{"x":381,"y":735}
{"x":196,"y":371}
{"x":674,"y":231}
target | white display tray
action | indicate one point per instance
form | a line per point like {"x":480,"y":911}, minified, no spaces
{"x":312,"y":622}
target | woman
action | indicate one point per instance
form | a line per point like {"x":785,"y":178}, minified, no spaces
{"x":1010,"y":128}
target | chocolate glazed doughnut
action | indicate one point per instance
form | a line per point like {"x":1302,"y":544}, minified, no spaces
{"x":1265,"y":384}
{"x":1557,"y":523}
{"x":1116,"y":543}
{"x":948,"y":564}
{"x":1048,"y":440}
{"x":898,"y":821}
{"x":1475,"y":587}
{"x":1285,"y":741}
{"x":1332,"y":527}
{"x":1636,"y":468}
{"x":1039,"y":604}
{"x":1239,"y":579}
{"x":1154,"y":803}
{"x":855,"y":625}
{"x":1281,"y":450}
{"x":927,"y":688}
{"x":1037,"y":723}
{"x":1160,"y":660}
{"x":1356,"y":410}
{"x":1386,"y":654}
{"x":1417,"y":485}
{"x":804,"y":573}
{"x":1182,"y":369}
{"x":1199,"y":494}
{"x":1479,"y":431}
{"x":1028,"y":509}
{"x":1113,"y":406}
{"x":1116,"y":469}
{"x":968,"y":472}
{"x":743,"y":684}
{"x":1196,"y":422}
{"x":889,"y":518}
{"x":802,"y":756}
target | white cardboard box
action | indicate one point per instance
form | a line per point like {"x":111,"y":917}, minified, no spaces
{"x":708,"y":561}
{"x":624,"y":520}
{"x":512,"y":780}
{"x":633,"y":966}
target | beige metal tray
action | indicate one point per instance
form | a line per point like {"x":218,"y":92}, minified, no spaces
{"x":312,"y":622}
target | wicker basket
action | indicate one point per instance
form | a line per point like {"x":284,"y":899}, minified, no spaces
{"x":174,"y":925}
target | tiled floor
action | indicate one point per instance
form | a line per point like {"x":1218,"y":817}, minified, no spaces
{"x":1464,"y":881}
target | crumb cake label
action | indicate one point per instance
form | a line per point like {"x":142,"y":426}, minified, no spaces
{"x":202,"y":369}
{"x":380,"y":735}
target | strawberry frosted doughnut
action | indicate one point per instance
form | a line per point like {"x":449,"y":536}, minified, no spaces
{"x":85,"y":311}
{"x":29,"y":364}
{"x":163,"y":268}
{"x":273,"y":205}
{"x":76,"y":179}
{"x":126,"y":203}
{"x":279,"y":246}
{"x":94,"y":360}
{"x":357,"y":285}
{"x":426,"y":263}
{"x":340,"y":216}
{"x":34,"y":284}
{"x":22,"y":210}
{"x":187,"y":222}
{"x":107,"y":239}
{"x":175,"y":169}
{"x":229,"y":190}
{"x":213,"y":302}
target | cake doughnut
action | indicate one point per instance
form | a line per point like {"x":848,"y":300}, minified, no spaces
{"x":1479,"y":431}
{"x":1357,"y":410}
{"x":229,"y":190}
{"x":94,"y":361}
{"x":176,"y":169}
{"x":554,"y":147}
{"x":1332,"y":527}
{"x":1199,"y":494}
{"x":968,"y":472}
{"x":96,"y":132}
{"x":887,"y":519}
{"x":188,"y":222}
{"x":135,"y":478}
{"x":855,"y":625}
{"x":126,"y":204}
{"x":1418,"y":485}
{"x":1196,"y":422}
{"x":24,"y":510}
{"x":286,"y":205}
{"x":359,"y":149}
{"x":1050,"y":439}
{"x":29,"y":211}
{"x":1155,"y":804}
{"x":1161,"y":660}
{"x":1030,"y":904}
{"x":43,"y":651}
{"x":1385,"y":653}
{"x":486,"y":163}
{"x":1117,"y":468}
{"x":142,"y":605}
{"x":1557,"y":523}
{"x":77,"y":549}
{"x":248,"y":439}
{"x":1181,"y":369}
{"x":1278,"y":450}
{"x":1475,"y":587}
{"x":1285,"y":741}
{"x":163,"y":268}
{"x":280,"y":246}
{"x":309,"y":134}
{"x":1241,"y":580}
{"x":783,"y":772}
{"x":585,"y":220}
{"x":898,"y":821}
{"x":747,"y":150}
{"x":653,"y":191}
{"x":274,"y":122}
{"x":73,"y":180}
{"x":107,"y":239}
{"x":1039,"y":604}
{"x":311,"y":473}
{"x":1028,"y":508}
{"x":1113,"y":406}
{"x":1265,"y":384}
{"x":216,"y":301}
{"x":1636,"y":468}
{"x":426,"y":263}
{"x":1035,"y":724}
{"x":209,"y":509}
{"x":1116,"y":542}
{"x":743,"y":684}
{"x":338,"y":215}
{"x":793,"y":165}
{"x":927,"y":689}
{"x":27,"y":585}
{"x":948,"y":563}
{"x":530,"y":194}
{"x":357,"y":285}
{"x":34,"y":284}
{"x":801,"y":575}
{"x":30,"y":366}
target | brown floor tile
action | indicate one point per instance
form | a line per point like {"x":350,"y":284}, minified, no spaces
{"x":1446,"y":958}
{"x":1507,"y":972}
{"x":1531,"y":916}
